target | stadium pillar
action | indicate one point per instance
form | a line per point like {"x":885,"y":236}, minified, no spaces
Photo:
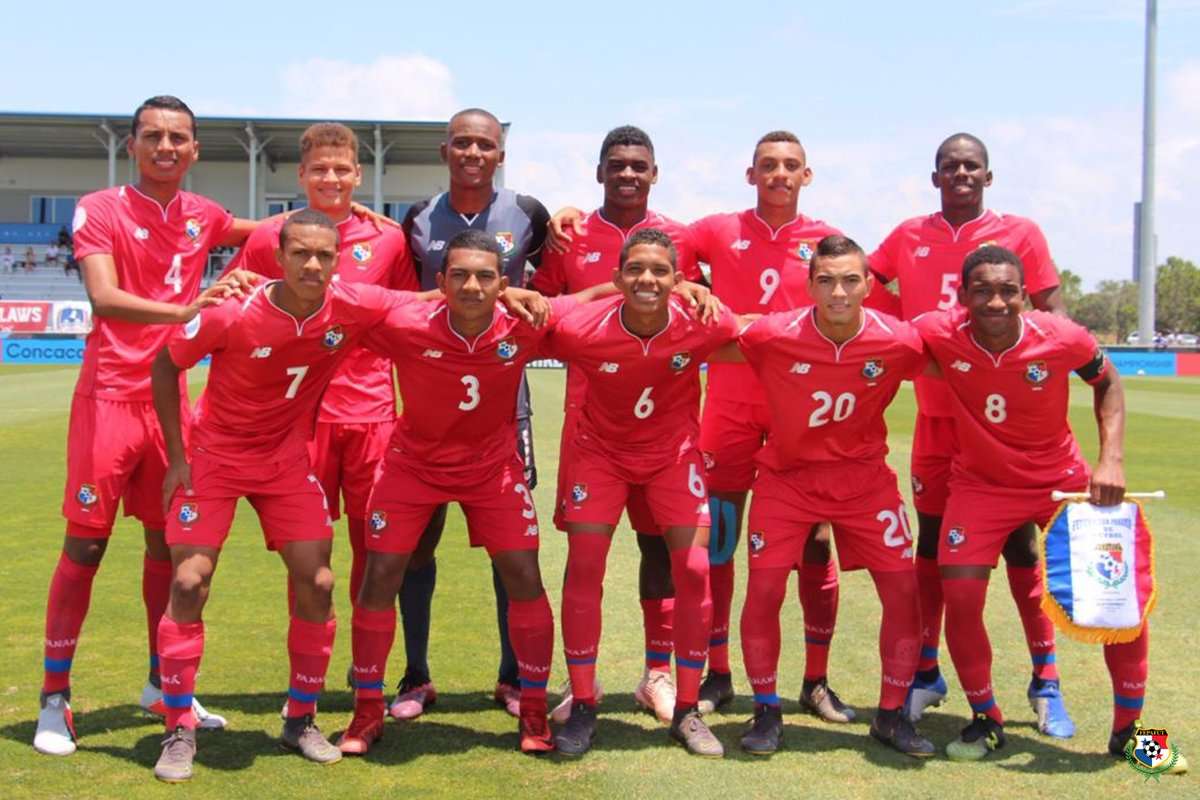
{"x":111,"y":143}
{"x":1147,"y":271}
{"x":252,"y":152}
{"x":378,"y":153}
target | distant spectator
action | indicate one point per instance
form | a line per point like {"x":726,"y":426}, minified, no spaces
{"x":8,"y":262}
{"x":69,"y":263}
{"x":30,"y":259}
{"x":64,"y":237}
{"x":1160,"y":341}
{"x":52,"y":253}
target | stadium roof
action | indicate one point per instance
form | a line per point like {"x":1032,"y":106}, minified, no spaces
{"x":50,"y":135}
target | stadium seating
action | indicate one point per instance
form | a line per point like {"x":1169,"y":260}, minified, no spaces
{"x":44,"y":283}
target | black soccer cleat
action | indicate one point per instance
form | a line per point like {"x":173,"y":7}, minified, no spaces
{"x":894,"y":729}
{"x":575,"y":737}
{"x":766,"y":730}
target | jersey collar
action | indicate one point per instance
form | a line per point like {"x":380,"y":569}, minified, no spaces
{"x":651,"y":219}
{"x":299,"y":323}
{"x":645,"y":343}
{"x":996,"y":358}
{"x":766,"y":229}
{"x":133,"y":194}
{"x":955,"y":233}
{"x":866,"y":318}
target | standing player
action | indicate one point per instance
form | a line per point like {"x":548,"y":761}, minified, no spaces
{"x":627,"y":171}
{"x":459,"y":365}
{"x":473,"y":150}
{"x":638,"y":426}
{"x":273,"y":356}
{"x":1008,"y":372}
{"x":359,"y":408}
{"x":828,"y":372}
{"x":926,"y":254}
{"x":143,"y":249}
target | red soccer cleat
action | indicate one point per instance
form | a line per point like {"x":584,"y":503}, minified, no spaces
{"x":535,"y":733}
{"x":363,"y":731}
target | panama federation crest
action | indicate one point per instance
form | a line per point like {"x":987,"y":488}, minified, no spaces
{"x":917,"y":486}
{"x":507,"y":349}
{"x":192,"y":228}
{"x":1036,"y":372}
{"x":956,"y":536}
{"x":505,"y":240}
{"x":1150,"y":752}
{"x":805,"y":251}
{"x":579,"y":492}
{"x":1108,"y":567}
{"x":680,"y":360}
{"x":757,"y":542}
{"x":189,"y":513}
{"x":378,"y":520}
{"x":873,"y":368}
{"x":361,"y":252}
{"x":87,"y":494}
{"x":333,"y":337}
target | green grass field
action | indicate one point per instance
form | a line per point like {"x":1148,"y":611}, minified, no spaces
{"x":465,"y":747}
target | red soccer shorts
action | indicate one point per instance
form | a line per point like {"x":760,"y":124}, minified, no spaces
{"x":640,"y":517}
{"x":731,"y":434}
{"x":115,"y":452}
{"x":934,"y":443}
{"x":870,"y":525}
{"x":499,"y":509}
{"x":600,"y":487}
{"x":347,"y":458}
{"x":979,"y":517}
{"x":287,"y":496}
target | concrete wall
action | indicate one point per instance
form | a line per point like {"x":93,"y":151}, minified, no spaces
{"x":225,"y":182}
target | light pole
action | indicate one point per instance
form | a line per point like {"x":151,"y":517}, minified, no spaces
{"x":1147,"y":266}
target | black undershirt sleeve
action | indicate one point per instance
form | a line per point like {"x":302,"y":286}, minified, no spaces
{"x":539,"y":218}
{"x":407,"y":227}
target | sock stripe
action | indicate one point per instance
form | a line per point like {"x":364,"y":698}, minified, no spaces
{"x":929,"y":653}
{"x":1041,"y":659}
{"x":58,"y":664}
{"x":365,"y":685}
{"x":1125,"y":701}
{"x":154,"y":661}
{"x":177,"y":700}
{"x":987,"y":705}
{"x":302,"y":697}
{"x":766,"y":699}
{"x":816,"y":640}
{"x":655,"y":655}
{"x":581,"y":662}
{"x":528,"y":684}
{"x":687,"y":662}
{"x":717,"y":642}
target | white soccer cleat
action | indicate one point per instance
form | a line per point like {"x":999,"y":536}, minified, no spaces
{"x":656,"y":693}
{"x":152,"y":702}
{"x":562,"y":711}
{"x":55,"y":727}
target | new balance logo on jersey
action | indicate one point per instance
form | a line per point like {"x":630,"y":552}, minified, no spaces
{"x":800,"y":369}
{"x":141,"y":234}
{"x":921,"y":252}
{"x":432,"y":354}
{"x":592,"y":258}
{"x":260,"y":352}
{"x":961,"y":366}
{"x":436,"y":244}
{"x":531,"y":530}
{"x":609,"y":367}
{"x":740,"y":244}
{"x":333,"y":337}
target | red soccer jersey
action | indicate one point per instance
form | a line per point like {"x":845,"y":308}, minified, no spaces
{"x":926,"y":255}
{"x":1010,"y":408}
{"x":361,"y":391}
{"x":827,"y":400}
{"x":593,"y":256}
{"x":160,"y":255}
{"x":643,"y":395}
{"x":460,"y":395}
{"x":755,"y":270}
{"x":270,"y":369}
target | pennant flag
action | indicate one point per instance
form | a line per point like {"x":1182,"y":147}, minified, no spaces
{"x":1098,"y":568}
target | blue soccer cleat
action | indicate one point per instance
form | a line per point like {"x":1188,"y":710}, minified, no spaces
{"x":924,"y":694}
{"x":1046,"y":700}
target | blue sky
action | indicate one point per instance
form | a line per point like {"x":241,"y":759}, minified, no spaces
{"x":1053,"y":86}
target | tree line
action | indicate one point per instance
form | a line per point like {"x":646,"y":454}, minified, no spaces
{"x":1111,"y":311}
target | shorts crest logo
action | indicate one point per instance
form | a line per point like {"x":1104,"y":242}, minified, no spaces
{"x":805,"y":251}
{"x":680,"y":360}
{"x":709,"y":460}
{"x":956,"y":537}
{"x":507,"y":349}
{"x":1036,"y":372}
{"x":87,"y":494}
{"x":333,"y":337}
{"x":757,"y":542}
{"x":192,"y":229}
{"x":579,"y":492}
{"x":917,"y":486}
{"x":189,"y":513}
{"x":1150,"y":752}
{"x":1108,"y":566}
{"x":378,"y":520}
{"x":361,"y":252}
{"x":505,"y":240}
{"x":873,"y":368}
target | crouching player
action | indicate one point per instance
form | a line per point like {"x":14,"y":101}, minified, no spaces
{"x":273,"y":356}
{"x":829,"y":371}
{"x":1009,"y":373}
{"x":459,"y":365}
{"x":638,"y":428}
